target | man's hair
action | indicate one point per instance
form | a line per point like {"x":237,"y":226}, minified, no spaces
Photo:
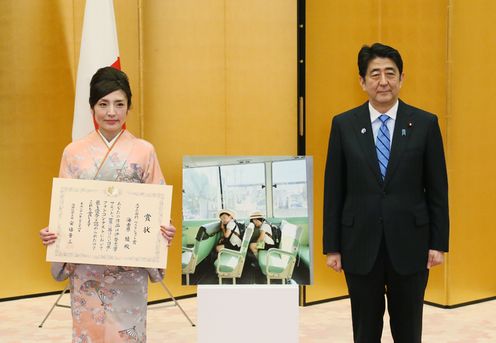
{"x":107,"y":80}
{"x":368,"y":53}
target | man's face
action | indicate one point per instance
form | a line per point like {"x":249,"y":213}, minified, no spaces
{"x":382,"y":83}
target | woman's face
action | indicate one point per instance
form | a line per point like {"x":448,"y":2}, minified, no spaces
{"x":110,"y":113}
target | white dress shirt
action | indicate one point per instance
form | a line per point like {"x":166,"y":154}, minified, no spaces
{"x":376,"y":122}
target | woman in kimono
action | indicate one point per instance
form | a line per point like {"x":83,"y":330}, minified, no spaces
{"x":108,"y":302}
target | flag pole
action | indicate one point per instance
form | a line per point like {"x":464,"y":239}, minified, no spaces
{"x":140,"y":59}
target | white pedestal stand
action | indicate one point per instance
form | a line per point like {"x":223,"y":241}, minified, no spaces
{"x":248,"y":313}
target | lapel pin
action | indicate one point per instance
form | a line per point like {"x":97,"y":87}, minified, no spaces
{"x":403,"y":132}
{"x":363,"y":131}
{"x":410,"y":124}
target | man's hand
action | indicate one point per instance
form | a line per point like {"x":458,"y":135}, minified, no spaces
{"x":435,"y":257}
{"x":334,"y":261}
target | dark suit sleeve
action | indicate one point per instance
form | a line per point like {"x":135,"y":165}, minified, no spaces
{"x":436,"y":188}
{"x":334,"y":190}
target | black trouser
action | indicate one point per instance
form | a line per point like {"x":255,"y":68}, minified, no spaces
{"x":405,"y":299}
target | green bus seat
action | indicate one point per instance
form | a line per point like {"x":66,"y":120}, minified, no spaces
{"x":206,"y":239}
{"x":229,"y":263}
{"x":279,"y":263}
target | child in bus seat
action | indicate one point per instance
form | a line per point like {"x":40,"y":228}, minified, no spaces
{"x":262,"y":236}
{"x":231,"y":235}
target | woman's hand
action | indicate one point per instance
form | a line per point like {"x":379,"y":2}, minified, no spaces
{"x":47,"y":237}
{"x":168,"y":231}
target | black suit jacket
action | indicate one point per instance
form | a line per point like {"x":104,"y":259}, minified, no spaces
{"x":410,"y":207}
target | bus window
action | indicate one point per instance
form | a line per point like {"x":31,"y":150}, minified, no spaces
{"x":289,"y":188}
{"x":243,"y":188}
{"x":201,"y":193}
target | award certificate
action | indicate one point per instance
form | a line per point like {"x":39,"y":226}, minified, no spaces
{"x":109,"y":223}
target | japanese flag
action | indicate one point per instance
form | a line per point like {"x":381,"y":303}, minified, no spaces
{"x":99,"y":48}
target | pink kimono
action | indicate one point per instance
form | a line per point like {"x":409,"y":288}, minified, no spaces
{"x":109,"y":303}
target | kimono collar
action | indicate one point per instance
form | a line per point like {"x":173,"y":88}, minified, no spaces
{"x":111,"y":143}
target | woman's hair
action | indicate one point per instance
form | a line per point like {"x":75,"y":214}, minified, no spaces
{"x":107,"y":80}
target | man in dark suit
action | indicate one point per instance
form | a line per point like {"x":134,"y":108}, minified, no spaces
{"x":386,"y":217}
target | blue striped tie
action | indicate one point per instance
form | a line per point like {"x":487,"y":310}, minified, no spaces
{"x":382,"y":145}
